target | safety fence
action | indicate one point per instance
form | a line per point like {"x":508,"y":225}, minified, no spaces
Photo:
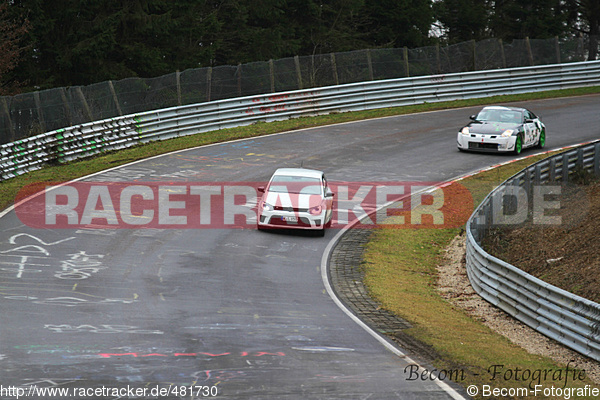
{"x":34,"y":113}
{"x":569,"y":319}
{"x":92,"y":138}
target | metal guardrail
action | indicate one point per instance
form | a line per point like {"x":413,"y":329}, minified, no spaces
{"x":569,"y":319}
{"x":117,"y":133}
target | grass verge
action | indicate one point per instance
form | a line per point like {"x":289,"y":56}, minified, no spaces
{"x":400,"y":273}
{"x":9,"y":188}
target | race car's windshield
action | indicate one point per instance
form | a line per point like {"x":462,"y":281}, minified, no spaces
{"x":502,"y":116}
{"x":295,"y":184}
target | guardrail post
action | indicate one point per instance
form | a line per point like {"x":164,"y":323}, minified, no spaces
{"x":527,"y":183}
{"x":552,"y":171}
{"x":565,"y":168}
{"x":537,"y":177}
{"x":580,"y":160}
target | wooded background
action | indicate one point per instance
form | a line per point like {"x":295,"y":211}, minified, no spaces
{"x":46,"y":44}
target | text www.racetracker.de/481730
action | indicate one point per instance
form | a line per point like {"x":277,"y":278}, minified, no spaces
{"x":155,"y":392}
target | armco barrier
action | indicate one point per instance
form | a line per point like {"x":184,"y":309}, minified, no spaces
{"x":116,"y":133}
{"x":558,"y":314}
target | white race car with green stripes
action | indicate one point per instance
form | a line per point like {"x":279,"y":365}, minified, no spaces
{"x":502,"y":129}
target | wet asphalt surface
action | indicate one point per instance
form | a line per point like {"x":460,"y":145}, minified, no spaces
{"x":237,"y":311}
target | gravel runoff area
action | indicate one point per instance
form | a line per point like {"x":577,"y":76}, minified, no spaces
{"x":453,"y":284}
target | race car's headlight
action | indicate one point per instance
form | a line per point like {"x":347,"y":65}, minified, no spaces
{"x":266,"y":206}
{"x":507,"y":133}
{"x":465,"y":130}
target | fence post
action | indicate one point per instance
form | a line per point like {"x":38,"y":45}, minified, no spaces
{"x":238,"y":72}
{"x":178,"y":83}
{"x":502,"y":53}
{"x":38,"y":105}
{"x":474,"y":52}
{"x":334,"y":69}
{"x":86,"y":107}
{"x":437,"y":59}
{"x":557,"y":47}
{"x":298,"y":72}
{"x":370,"y":65}
{"x":63,"y":97}
{"x":208,"y":83}
{"x":272,"y":75}
{"x":529,"y":53}
{"x":405,"y":54}
{"x":114,"y":96}
{"x":7,"y":112}
{"x":313,"y":72}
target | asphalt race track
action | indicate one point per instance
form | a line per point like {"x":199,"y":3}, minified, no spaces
{"x":238,"y":311}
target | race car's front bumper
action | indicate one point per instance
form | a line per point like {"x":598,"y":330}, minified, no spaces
{"x":290,"y":219}
{"x":490,"y":143}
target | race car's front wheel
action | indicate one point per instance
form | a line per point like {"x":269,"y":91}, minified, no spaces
{"x":542,"y":140}
{"x":518,"y":145}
